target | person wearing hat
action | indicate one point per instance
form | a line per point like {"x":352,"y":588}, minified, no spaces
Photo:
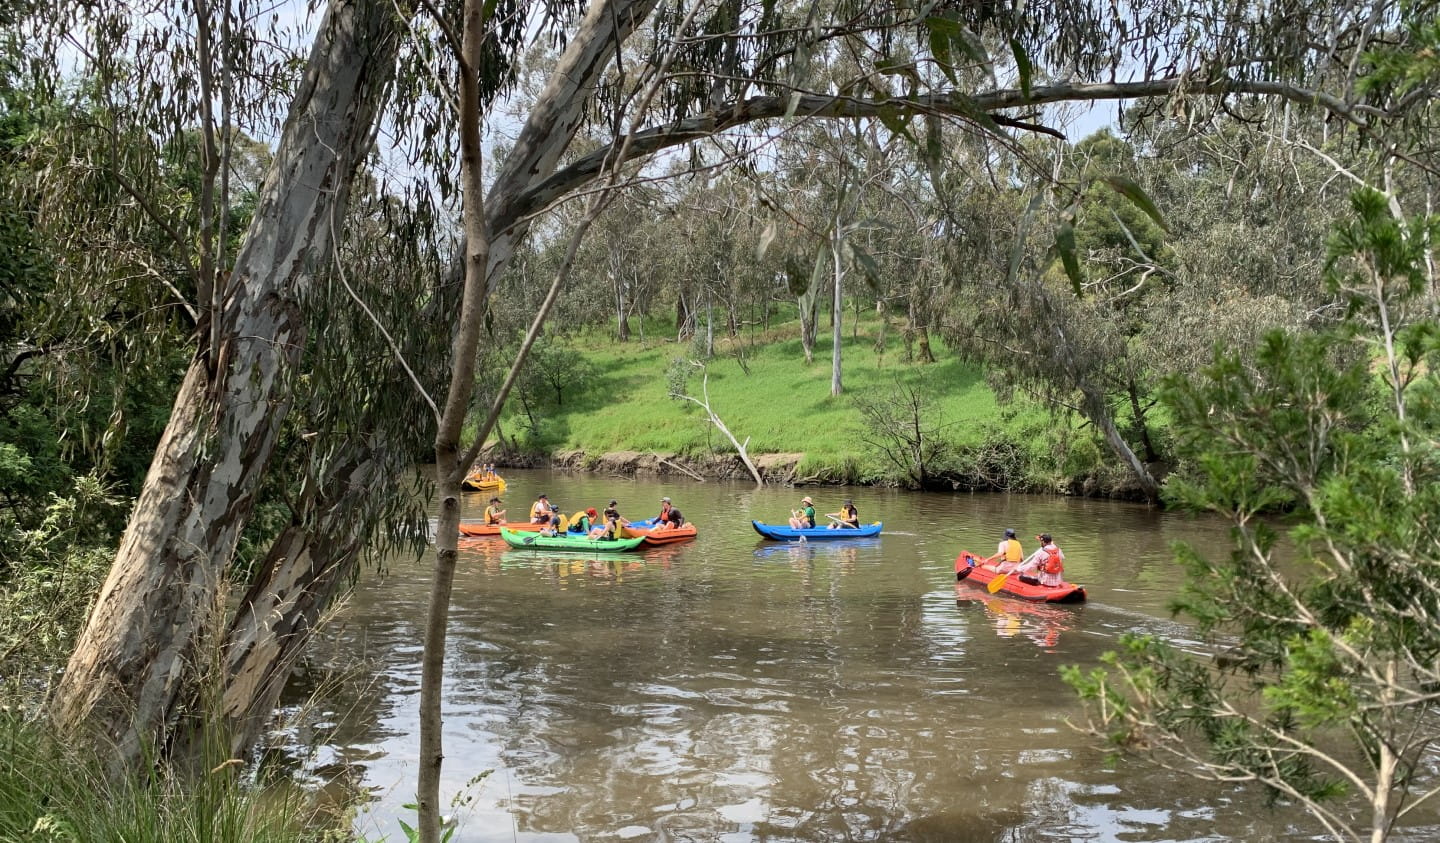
{"x":541,"y":511}
{"x":583,"y":522}
{"x":1045,"y":566}
{"x":670,"y":517}
{"x":804,"y":517}
{"x":664,"y":511}
{"x":493,"y":513}
{"x":1008,"y":552}
{"x":612,"y":519}
{"x":847,"y":518}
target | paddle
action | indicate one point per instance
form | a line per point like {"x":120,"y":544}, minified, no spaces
{"x":997,"y":583}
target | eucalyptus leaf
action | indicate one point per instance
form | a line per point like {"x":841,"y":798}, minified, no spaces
{"x":1136,"y":194}
{"x":1065,"y":246}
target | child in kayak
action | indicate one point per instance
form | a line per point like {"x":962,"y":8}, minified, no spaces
{"x":804,"y":517}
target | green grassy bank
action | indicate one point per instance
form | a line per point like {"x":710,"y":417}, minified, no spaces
{"x":764,"y":391}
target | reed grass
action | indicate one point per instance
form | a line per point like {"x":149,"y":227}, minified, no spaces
{"x":50,"y":793}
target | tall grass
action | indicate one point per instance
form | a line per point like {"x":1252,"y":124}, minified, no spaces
{"x":49,"y":792}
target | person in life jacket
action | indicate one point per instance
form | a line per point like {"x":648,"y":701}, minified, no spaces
{"x":669,"y":519}
{"x":541,"y":510}
{"x":1008,"y":555}
{"x":1045,"y":566}
{"x":847,"y":517}
{"x":613,"y":521}
{"x":493,"y":513}
{"x":583,"y":521}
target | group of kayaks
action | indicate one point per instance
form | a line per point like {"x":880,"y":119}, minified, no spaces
{"x":635,"y":535}
{"x":638,"y":534}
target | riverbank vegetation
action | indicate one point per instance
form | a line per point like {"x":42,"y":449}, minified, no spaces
{"x":232,"y":335}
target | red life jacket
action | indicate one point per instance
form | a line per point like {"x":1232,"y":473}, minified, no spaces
{"x":1052,"y":563}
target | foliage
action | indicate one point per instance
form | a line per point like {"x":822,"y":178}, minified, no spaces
{"x":902,"y":425}
{"x":1323,"y":686}
{"x":553,"y":374}
{"x":49,"y":792}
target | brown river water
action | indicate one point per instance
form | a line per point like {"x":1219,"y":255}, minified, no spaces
{"x":736,"y":689}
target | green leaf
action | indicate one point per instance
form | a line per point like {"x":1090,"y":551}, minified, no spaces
{"x":867,"y":265}
{"x":1065,"y":245}
{"x":1136,"y":194}
{"x":966,"y":106}
{"x":896,"y":122}
{"x":1022,"y":66}
{"x":940,"y":49}
{"x":1017,"y":252}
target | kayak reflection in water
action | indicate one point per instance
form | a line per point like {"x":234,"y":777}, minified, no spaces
{"x":1039,"y":622}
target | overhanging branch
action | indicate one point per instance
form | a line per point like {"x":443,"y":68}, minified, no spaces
{"x":951,"y":103}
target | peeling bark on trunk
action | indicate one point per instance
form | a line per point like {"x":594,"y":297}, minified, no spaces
{"x":305,"y":567}
{"x":133,"y":660}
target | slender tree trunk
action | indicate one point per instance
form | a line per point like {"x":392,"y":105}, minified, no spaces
{"x":923,"y":335}
{"x":131,"y":662}
{"x":1098,"y":412}
{"x":835,"y":309}
{"x":809,"y":317}
{"x":491,"y":236}
{"x":1141,"y":428}
{"x":622,"y":325}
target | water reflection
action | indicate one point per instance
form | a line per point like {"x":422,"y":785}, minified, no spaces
{"x":1010,"y":616}
{"x":727,"y":690}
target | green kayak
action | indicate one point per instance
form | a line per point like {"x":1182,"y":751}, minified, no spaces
{"x":569,"y":541}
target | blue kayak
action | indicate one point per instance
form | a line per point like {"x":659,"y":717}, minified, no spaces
{"x":786,"y":533}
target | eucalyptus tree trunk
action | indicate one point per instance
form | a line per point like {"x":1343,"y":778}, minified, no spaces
{"x":493,"y":227}
{"x":132,"y":662}
{"x":1098,"y":411}
{"x":838,"y":266}
{"x":809,"y":323}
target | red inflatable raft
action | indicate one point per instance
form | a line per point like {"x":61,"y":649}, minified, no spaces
{"x":967,"y":568}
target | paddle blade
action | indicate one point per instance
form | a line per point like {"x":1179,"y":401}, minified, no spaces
{"x":997,"y":583}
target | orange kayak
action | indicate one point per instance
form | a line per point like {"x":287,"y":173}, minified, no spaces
{"x":646,"y":529}
{"x":967,"y":568}
{"x":477,"y":530}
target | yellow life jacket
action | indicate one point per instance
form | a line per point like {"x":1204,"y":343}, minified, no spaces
{"x":1013,"y":553}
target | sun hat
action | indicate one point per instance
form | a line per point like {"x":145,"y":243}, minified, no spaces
{"x":613,"y":503}
{"x":806,"y":499}
{"x":664,"y":500}
{"x":849,"y":502}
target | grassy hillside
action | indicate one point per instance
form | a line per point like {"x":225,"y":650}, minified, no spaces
{"x":781,"y":404}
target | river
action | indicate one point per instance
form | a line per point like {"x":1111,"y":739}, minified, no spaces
{"x":735,"y":689}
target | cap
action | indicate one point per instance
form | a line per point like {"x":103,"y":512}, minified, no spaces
{"x":1044,"y":537}
{"x":613,"y":503}
{"x":590,"y":512}
{"x":1009,"y":533}
{"x":664,"y":500}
